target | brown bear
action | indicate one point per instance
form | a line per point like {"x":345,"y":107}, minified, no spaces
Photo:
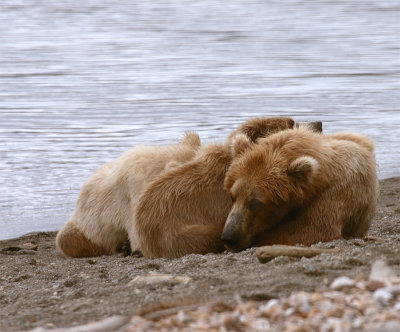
{"x":184,"y":210}
{"x":300,"y":187}
{"x":108,"y":199}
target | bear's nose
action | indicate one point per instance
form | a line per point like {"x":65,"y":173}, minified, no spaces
{"x":229,"y":241}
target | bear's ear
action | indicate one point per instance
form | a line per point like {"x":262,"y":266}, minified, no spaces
{"x":192,"y":139}
{"x":240,"y":143}
{"x":302,"y":170}
{"x":315,"y":126}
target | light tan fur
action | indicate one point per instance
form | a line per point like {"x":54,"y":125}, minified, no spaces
{"x":184,"y":210}
{"x":299,"y":187}
{"x":108,"y":199}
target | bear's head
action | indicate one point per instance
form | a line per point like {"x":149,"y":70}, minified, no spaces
{"x":266,"y":181}
{"x":256,"y":128}
{"x":261,"y":127}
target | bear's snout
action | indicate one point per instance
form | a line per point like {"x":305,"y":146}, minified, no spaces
{"x":229,"y":240}
{"x":232,"y":235}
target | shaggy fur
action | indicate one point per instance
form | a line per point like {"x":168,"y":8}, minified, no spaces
{"x":104,"y":217}
{"x":108,"y":199}
{"x":300,"y":187}
{"x":184,"y":210}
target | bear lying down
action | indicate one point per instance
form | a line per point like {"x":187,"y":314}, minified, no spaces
{"x":289,"y":184}
{"x":184,"y":210}
{"x":106,"y":210}
{"x":300,"y":187}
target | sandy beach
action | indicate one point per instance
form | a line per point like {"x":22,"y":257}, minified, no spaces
{"x":41,"y":288}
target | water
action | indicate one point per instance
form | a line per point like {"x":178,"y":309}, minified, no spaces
{"x":80,"y":84}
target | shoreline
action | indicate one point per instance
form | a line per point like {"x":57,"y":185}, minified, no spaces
{"x":391,"y":178}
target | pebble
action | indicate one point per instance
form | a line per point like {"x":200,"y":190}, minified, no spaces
{"x":358,"y":242}
{"x":138,"y":324}
{"x":158,"y":278}
{"x":28,"y":246}
{"x":342,"y":282}
{"x":383,"y":297}
{"x":380,"y":271}
{"x":373,"y":285}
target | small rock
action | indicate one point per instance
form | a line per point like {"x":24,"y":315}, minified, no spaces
{"x":138,"y":324}
{"x":380,"y":271}
{"x":373,"y":285}
{"x":342,"y":282}
{"x":271,"y":309}
{"x":29,"y":246}
{"x":158,"y":278}
{"x":182,"y":317}
{"x":357,"y":323}
{"x":358,"y":242}
{"x":373,"y":239}
{"x":383,"y":296}
{"x":260,"y":324}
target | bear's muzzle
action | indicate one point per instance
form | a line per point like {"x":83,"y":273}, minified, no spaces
{"x":232,"y":236}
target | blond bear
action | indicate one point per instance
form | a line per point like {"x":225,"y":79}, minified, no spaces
{"x":184,"y":210}
{"x":107,"y":201}
{"x":300,"y":187}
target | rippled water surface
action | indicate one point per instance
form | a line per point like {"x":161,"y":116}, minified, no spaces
{"x":81,"y":83}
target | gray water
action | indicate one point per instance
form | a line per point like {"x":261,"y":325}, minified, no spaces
{"x":82,"y":82}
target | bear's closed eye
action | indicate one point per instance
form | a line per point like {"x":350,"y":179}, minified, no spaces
{"x":255,"y":204}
